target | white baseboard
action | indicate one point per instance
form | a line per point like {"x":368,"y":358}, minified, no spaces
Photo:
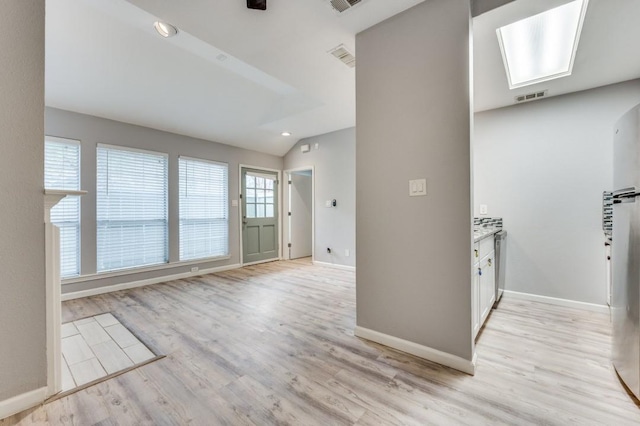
{"x":142,"y":283}
{"x":421,"y":351}
{"x":603,"y":309}
{"x":335,"y":266}
{"x":19,"y":403}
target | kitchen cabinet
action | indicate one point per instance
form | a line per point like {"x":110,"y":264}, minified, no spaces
{"x":487,"y":288}
{"x":483,"y":291}
{"x":475,"y":299}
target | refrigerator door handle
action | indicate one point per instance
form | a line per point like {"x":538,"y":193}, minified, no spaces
{"x":626,"y":195}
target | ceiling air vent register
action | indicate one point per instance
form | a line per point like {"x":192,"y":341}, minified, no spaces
{"x":344,"y":55}
{"x":341,"y":6}
{"x":531,"y":96}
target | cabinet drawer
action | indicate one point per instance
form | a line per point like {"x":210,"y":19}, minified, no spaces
{"x":486,"y":247}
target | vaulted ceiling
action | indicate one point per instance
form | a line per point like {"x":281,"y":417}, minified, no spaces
{"x":242,"y":77}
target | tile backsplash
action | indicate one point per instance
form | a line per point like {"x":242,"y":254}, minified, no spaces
{"x":488,"y":222}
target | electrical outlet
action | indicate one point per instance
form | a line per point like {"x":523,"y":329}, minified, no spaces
{"x":417,"y":188}
{"x":195,"y":269}
{"x":346,"y":252}
{"x":483,"y":209}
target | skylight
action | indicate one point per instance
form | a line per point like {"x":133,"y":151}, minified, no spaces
{"x":542,"y":47}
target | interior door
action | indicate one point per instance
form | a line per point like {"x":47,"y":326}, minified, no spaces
{"x":300,"y":215}
{"x":259,"y":215}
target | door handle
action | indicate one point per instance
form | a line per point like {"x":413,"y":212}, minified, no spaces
{"x":626,"y":195}
{"x":244,"y":220}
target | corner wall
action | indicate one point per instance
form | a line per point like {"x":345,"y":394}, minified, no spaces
{"x":334,"y":165}
{"x":413,"y":120}
{"x":22,"y":265}
{"x":92,"y":130}
{"x":542,"y":166}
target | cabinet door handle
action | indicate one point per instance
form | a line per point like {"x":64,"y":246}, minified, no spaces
{"x":479,"y":271}
{"x":489,"y":262}
{"x":476,"y":252}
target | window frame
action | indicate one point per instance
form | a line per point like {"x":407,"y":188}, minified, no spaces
{"x":226,"y":254}
{"x":147,"y":266}
{"x":78,"y":144}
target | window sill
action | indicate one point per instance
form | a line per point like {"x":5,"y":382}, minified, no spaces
{"x":131,"y":271}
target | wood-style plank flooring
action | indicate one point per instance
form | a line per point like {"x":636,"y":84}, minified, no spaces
{"x":274,"y":344}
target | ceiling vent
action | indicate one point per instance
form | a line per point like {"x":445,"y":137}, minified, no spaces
{"x":341,"y":6}
{"x":531,"y":96}
{"x":344,"y":55}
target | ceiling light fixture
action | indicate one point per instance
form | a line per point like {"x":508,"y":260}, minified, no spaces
{"x":286,"y":134}
{"x":542,"y":47}
{"x":164,"y":29}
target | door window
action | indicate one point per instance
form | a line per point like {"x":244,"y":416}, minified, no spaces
{"x":259,"y":195}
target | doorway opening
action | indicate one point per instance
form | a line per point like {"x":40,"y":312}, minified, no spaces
{"x":299,"y":230}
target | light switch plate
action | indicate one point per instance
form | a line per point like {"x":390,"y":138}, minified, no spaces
{"x":417,"y":187}
{"x":234,"y":203}
{"x":483,"y":209}
{"x":327,"y":203}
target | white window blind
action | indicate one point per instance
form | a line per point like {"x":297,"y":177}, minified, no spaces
{"x":204,"y":218}
{"x":131,"y":211}
{"x":62,"y":171}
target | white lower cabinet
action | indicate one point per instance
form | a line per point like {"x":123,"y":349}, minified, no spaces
{"x":487,"y":285}
{"x":475,"y":297}
{"x":483,"y":290}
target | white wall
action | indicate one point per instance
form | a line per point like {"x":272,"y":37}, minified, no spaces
{"x":413,"y":119}
{"x":93,"y":130}
{"x":22,"y":267}
{"x":334,"y":168}
{"x":542,"y":166}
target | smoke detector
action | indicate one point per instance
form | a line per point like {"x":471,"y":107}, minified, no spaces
{"x":531,"y":96}
{"x":341,"y":6}
{"x":344,"y":55}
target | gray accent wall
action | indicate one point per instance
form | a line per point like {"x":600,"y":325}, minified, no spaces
{"x":543,"y":166}
{"x":413,"y":118}
{"x":94,"y":130}
{"x":22,"y":263}
{"x":334,"y":164}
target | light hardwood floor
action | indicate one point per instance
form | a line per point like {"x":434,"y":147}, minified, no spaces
{"x":274,"y":344}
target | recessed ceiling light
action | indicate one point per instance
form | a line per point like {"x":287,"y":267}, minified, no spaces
{"x":286,"y":134}
{"x":542,"y":47}
{"x":164,"y":29}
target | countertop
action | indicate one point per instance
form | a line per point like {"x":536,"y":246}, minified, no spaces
{"x":482,"y":233}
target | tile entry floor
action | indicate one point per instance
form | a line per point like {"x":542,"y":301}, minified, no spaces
{"x":96,"y":347}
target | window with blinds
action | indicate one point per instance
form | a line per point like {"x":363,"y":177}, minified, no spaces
{"x":62,"y":171}
{"x":204,"y":211}
{"x":131,"y":210}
